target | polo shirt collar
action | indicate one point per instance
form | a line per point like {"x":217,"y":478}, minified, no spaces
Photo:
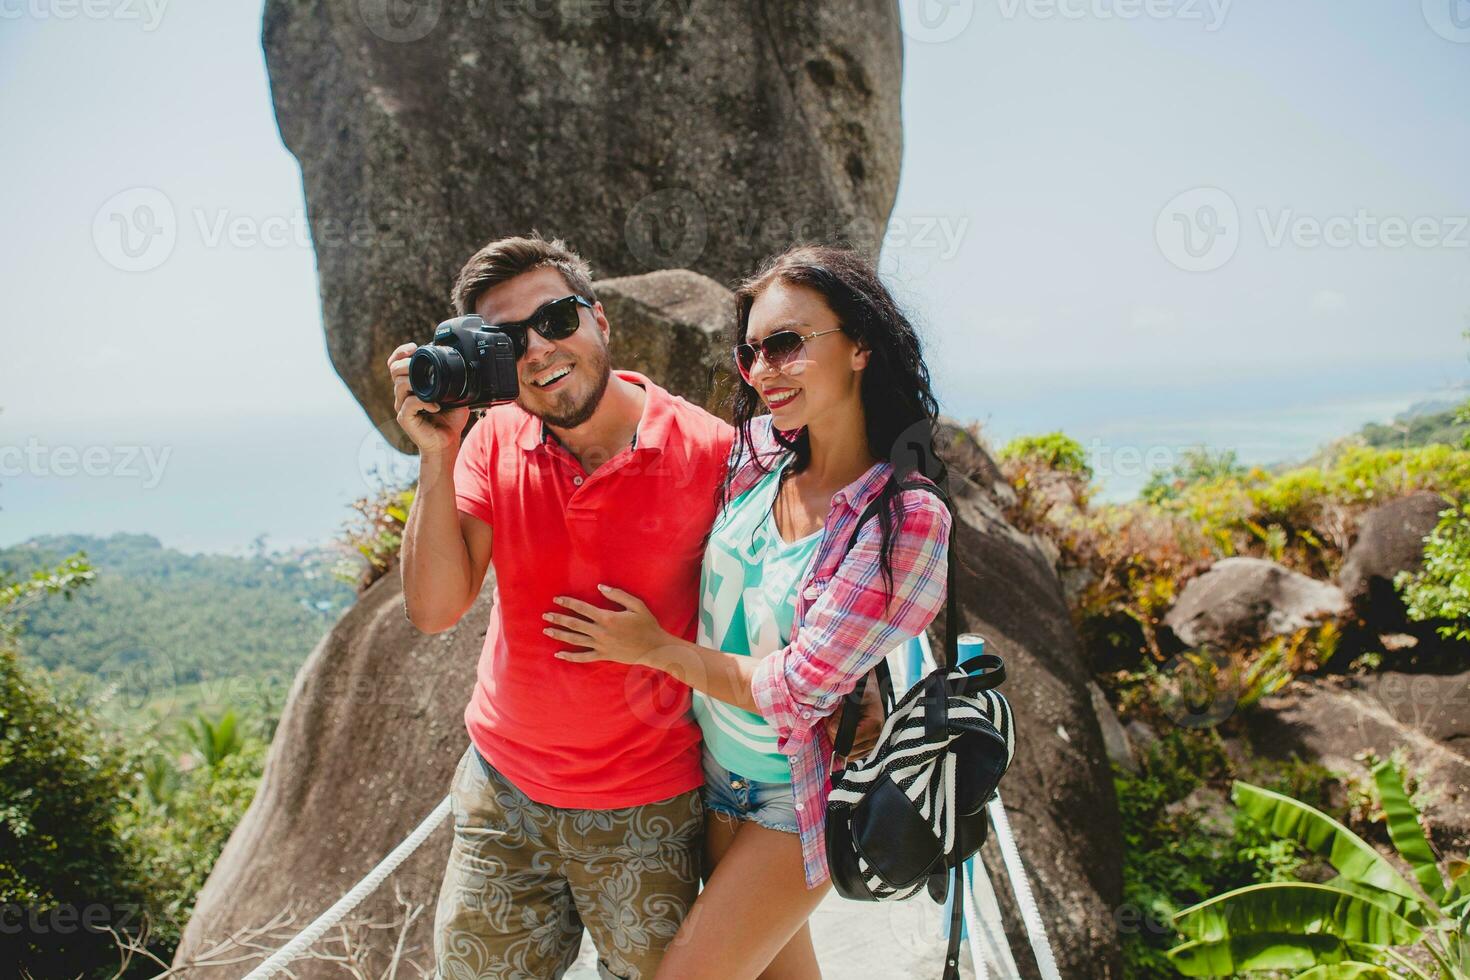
{"x":653,"y":426}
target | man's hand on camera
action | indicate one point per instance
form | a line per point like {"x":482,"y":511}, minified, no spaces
{"x":433,"y":430}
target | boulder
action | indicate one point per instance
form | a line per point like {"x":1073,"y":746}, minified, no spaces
{"x":1242,"y":602}
{"x":1332,"y":720}
{"x":1390,"y":540}
{"x":673,"y":326}
{"x":650,"y":134}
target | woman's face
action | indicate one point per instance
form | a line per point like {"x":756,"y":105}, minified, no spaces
{"x":823,"y":377}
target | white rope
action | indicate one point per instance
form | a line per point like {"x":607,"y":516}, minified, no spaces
{"x":369,"y":883}
{"x":1025,"y":901}
{"x":1015,"y":870}
{"x":988,"y":940}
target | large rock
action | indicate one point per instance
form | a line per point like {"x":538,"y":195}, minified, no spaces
{"x":1390,"y":540}
{"x":651,"y":134}
{"x":1242,"y":602}
{"x":673,"y":326}
{"x":1426,"y":717}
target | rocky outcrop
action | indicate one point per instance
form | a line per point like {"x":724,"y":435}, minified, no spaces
{"x":1390,"y":540}
{"x":1333,"y":720}
{"x":650,"y":135}
{"x":674,"y":326}
{"x":1242,"y":602}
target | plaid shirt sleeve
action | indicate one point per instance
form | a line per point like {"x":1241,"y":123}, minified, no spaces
{"x":856,"y":621}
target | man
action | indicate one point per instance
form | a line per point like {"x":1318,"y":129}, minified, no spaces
{"x":577,"y":802}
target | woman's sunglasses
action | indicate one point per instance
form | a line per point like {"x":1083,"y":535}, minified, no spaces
{"x":556,"y":320}
{"x":779,"y":349}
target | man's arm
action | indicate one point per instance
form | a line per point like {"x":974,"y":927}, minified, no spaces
{"x":444,"y":554}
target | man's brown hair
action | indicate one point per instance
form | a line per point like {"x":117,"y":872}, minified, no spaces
{"x":507,"y":258}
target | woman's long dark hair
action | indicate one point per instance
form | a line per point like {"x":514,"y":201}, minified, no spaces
{"x":898,"y":401}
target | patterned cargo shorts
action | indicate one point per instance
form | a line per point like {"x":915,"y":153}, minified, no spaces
{"x":524,"y":879}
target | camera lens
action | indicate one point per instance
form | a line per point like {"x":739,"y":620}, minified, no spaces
{"x":436,"y":374}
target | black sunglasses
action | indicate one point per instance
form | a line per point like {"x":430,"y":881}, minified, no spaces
{"x":779,"y":348}
{"x":556,"y":320}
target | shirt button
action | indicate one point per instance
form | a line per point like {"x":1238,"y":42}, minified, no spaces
{"x":798,"y":806}
{"x":806,"y":712}
{"x":812,"y":592}
{"x":577,"y":480}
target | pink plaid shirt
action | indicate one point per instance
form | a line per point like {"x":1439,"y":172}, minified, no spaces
{"x":846,"y":621}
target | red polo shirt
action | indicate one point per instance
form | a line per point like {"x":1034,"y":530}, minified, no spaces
{"x":599,"y":735}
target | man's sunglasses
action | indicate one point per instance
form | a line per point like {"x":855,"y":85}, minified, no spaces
{"x":556,"y":320}
{"x":778,"y":349}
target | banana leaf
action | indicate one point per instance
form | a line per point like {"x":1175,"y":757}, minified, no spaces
{"x":1353,"y":857}
{"x":1297,"y":908}
{"x":1259,"y":951}
{"x":1346,"y":971}
{"x":1405,"y":831}
{"x":1410,"y":910}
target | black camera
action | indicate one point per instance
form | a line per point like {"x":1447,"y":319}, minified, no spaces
{"x":467,"y":363}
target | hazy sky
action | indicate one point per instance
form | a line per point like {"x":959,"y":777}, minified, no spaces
{"x":1147,"y":222}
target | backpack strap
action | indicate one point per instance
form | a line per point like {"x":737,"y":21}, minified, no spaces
{"x":936,"y":700}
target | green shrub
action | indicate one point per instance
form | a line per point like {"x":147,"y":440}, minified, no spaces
{"x":1441,"y":588}
{"x":1054,"y":450}
{"x":66,"y":867}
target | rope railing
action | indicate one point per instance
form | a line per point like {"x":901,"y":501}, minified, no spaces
{"x":369,"y":882}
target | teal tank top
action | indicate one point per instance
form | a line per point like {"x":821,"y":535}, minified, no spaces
{"x":748,"y":585}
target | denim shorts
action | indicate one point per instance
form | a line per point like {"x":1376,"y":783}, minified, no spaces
{"x":771,"y":805}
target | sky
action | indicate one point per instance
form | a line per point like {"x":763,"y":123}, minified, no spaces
{"x":1147,"y":223}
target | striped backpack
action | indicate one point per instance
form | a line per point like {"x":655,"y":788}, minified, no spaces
{"x":905,"y":817}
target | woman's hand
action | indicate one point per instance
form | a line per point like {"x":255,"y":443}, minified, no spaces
{"x":625,"y":636}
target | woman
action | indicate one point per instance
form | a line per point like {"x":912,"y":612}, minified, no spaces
{"x":789,"y":618}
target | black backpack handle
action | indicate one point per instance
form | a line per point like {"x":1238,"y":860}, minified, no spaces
{"x":852,"y":702}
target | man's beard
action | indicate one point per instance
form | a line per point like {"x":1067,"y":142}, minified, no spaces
{"x":575,"y":415}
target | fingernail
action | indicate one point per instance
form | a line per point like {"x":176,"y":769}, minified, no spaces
{"x":602,"y":587}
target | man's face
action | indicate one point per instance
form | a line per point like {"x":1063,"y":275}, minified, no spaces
{"x":573,"y":372}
